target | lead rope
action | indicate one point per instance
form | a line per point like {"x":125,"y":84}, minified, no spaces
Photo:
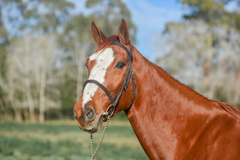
{"x":100,"y":141}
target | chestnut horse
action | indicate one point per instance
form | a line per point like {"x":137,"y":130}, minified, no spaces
{"x":171,"y":120}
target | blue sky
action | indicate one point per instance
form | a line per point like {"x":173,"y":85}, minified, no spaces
{"x":150,"y":17}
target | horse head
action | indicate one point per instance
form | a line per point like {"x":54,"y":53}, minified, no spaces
{"x":109,"y":88}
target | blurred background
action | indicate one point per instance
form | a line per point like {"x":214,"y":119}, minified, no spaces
{"x":44,"y":45}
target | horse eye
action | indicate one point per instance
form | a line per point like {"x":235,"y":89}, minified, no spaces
{"x":120,"y":65}
{"x":86,"y":65}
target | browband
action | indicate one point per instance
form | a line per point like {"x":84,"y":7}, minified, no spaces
{"x":122,"y":46}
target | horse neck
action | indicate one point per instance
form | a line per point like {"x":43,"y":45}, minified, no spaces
{"x":161,"y":103}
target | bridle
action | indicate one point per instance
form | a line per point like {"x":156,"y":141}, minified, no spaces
{"x":115,"y":100}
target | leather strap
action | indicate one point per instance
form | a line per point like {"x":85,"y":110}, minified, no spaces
{"x":101,"y":86}
{"x":122,"y":46}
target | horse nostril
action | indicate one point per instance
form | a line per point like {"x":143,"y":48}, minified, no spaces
{"x":89,"y":114}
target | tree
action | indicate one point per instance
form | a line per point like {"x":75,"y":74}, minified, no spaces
{"x":16,"y":19}
{"x":203,"y":50}
{"x":31,"y":80}
{"x":109,"y":13}
{"x":45,"y":16}
{"x":30,"y":84}
{"x":45,"y":52}
{"x":213,"y":12}
{"x":77,"y":45}
{"x":4,"y":42}
{"x":212,"y":70}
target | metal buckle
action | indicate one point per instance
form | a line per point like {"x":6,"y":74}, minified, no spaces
{"x":108,"y":109}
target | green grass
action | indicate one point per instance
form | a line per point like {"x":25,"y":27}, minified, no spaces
{"x":57,"y":129}
{"x":25,"y":141}
{"x":45,"y":128}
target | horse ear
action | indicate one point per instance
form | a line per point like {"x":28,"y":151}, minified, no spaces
{"x":97,"y":34}
{"x":123,"y":33}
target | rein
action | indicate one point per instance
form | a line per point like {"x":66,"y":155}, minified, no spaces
{"x":114,"y":100}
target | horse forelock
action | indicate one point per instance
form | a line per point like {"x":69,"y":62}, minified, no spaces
{"x":106,"y":43}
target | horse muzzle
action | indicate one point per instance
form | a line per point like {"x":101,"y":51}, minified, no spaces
{"x":88,"y":120}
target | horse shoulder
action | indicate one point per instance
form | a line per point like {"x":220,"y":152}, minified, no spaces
{"x":232,"y":110}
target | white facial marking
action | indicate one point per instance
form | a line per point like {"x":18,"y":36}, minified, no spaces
{"x":98,"y":72}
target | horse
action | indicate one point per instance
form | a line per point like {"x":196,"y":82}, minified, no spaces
{"x":170,"y":120}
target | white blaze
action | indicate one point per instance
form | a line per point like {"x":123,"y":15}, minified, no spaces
{"x":98,"y":72}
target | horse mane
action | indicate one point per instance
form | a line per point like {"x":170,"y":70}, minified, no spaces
{"x":186,"y":91}
{"x":107,"y":42}
{"x":189,"y":92}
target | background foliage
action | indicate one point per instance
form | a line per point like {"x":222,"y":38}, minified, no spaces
{"x":44,"y":47}
{"x":203,"y":51}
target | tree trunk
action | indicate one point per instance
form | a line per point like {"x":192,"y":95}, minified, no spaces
{"x":42,"y":99}
{"x":30,"y":102}
{"x":32,"y":116}
{"x":18,"y":115}
{"x":25,"y":114}
{"x":41,"y":116}
{"x":42,"y":102}
{"x":28,"y":81}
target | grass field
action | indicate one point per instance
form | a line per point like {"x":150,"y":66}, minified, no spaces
{"x":63,"y":140}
